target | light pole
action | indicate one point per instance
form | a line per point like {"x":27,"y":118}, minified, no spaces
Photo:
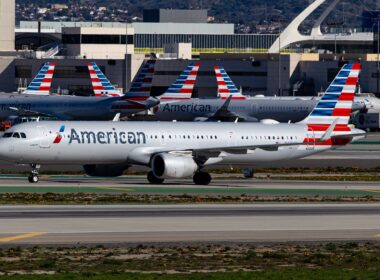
{"x":378,"y":56}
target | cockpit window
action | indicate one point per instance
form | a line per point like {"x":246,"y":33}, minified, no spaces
{"x":23,"y":135}
{"x":16,"y":135}
{"x":7,"y":135}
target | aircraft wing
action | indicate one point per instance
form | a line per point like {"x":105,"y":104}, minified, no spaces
{"x":142,"y":155}
{"x":224,"y":114}
{"x":29,"y":113}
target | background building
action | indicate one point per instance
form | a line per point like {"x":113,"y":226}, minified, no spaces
{"x":7,"y":25}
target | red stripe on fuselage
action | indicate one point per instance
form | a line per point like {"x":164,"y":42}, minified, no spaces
{"x":324,"y":127}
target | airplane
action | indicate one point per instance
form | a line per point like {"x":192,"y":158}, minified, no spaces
{"x":176,"y":103}
{"x":100,"y":84}
{"x":41,"y":84}
{"x":181,"y":150}
{"x":72,"y":107}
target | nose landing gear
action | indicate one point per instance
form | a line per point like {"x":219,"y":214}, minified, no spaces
{"x":33,"y":176}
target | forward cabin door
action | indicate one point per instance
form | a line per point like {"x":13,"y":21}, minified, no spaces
{"x":45,"y":139}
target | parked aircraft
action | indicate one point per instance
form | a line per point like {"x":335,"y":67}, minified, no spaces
{"x":180,"y":150}
{"x":72,"y":107}
{"x":176,"y":103}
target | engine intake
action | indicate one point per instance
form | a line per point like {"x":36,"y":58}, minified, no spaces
{"x":171,"y":166}
{"x":105,"y":170}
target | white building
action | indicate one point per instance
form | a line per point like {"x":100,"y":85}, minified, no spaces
{"x":98,"y":42}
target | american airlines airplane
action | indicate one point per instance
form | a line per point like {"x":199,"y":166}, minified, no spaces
{"x":181,"y":150}
{"x":176,"y":103}
{"x":72,"y":107}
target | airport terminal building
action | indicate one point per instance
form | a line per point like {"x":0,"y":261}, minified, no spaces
{"x":120,"y":49}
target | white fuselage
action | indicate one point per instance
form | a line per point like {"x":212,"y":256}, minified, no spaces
{"x":135,"y":142}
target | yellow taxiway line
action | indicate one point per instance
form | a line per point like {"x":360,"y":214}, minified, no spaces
{"x":21,"y":236}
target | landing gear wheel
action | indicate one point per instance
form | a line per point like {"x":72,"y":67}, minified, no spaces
{"x":202,"y":178}
{"x":248,"y":173}
{"x":153,"y":179}
{"x":33,"y":178}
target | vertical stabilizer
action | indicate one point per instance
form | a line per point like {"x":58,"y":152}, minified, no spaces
{"x":41,"y":84}
{"x":142,"y":85}
{"x":226,"y":86}
{"x":100,"y":84}
{"x":183,"y":87}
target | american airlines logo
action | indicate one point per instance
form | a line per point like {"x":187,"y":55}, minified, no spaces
{"x":107,"y":137}
{"x":186,"y":108}
{"x":58,"y":138}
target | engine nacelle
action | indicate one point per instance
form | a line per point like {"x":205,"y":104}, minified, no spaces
{"x":269,"y":121}
{"x":171,"y":166}
{"x":105,"y":170}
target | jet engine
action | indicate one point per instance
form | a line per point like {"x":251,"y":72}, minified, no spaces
{"x":166,"y":166}
{"x":105,"y":170}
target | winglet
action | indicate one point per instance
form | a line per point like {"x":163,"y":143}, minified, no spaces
{"x":116,"y":118}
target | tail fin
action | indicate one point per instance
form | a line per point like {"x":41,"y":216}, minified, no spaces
{"x":336,"y":102}
{"x":142,"y":84}
{"x":183,"y":87}
{"x":100,"y":84}
{"x":41,"y":84}
{"x":226,"y":86}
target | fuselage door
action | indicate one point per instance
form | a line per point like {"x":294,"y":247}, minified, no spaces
{"x":44,"y":137}
{"x":311,"y":140}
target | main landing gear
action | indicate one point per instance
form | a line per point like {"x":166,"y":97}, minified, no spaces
{"x":153,"y":179}
{"x":202,"y":178}
{"x":33,"y":176}
{"x":248,"y":173}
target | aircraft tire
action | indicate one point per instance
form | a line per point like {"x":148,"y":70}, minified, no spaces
{"x":153,"y":179}
{"x":33,"y":179}
{"x":202,"y":178}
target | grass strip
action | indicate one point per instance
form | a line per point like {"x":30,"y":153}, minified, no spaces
{"x":233,"y":261}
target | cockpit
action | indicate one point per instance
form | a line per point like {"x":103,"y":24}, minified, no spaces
{"x":14,"y":135}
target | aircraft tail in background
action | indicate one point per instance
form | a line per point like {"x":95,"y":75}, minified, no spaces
{"x":41,"y":84}
{"x":100,"y":84}
{"x":142,"y":85}
{"x":226,"y":86}
{"x":183,"y":87}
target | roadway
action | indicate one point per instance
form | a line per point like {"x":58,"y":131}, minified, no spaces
{"x":136,"y":224}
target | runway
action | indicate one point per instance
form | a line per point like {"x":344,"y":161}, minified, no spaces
{"x":118,"y":224}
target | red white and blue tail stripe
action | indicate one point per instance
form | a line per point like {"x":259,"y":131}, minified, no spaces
{"x":100,"y":84}
{"x":183,"y":87}
{"x":335,"y":105}
{"x":41,"y":84}
{"x":226,"y":86}
{"x":142,"y":84}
